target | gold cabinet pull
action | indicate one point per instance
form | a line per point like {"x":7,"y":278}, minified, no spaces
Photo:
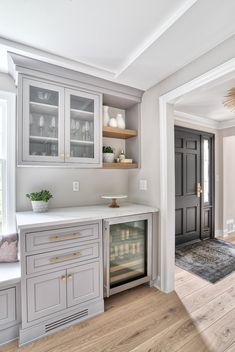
{"x":63,"y":278}
{"x":70,"y":276}
{"x":62,"y":258}
{"x":64,"y":237}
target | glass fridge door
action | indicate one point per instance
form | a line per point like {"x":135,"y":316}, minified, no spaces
{"x":128,"y":252}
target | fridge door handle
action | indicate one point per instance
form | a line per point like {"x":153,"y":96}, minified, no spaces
{"x":107,"y":256}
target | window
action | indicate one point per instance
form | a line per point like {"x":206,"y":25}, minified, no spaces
{"x":7,"y":162}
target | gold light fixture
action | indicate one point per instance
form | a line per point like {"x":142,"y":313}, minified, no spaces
{"x":229,"y":101}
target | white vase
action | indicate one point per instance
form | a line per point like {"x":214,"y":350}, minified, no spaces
{"x":113,"y":122}
{"x":108,"y":157}
{"x":120,"y":121}
{"x":106,"y":117}
{"x":39,"y":206}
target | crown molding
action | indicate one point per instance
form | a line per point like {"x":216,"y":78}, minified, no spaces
{"x":195,"y":119}
{"x":181,"y":116}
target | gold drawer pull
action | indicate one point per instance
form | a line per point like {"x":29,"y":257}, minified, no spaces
{"x":63,"y":278}
{"x":70,"y":276}
{"x":65,"y":257}
{"x":65,"y":237}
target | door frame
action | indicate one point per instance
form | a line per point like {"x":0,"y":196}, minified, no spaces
{"x":205,"y":134}
{"x":166,"y":281}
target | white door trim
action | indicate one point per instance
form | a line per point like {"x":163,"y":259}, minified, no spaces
{"x":167,"y":170}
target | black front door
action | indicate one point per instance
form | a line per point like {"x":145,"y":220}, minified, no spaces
{"x":193,"y":185}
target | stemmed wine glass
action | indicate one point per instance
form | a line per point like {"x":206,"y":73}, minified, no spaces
{"x":52,"y":126}
{"x":41,"y":124}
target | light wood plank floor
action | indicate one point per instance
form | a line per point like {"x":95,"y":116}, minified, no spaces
{"x":196,"y":317}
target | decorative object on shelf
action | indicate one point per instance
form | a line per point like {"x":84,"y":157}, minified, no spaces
{"x":120,"y":121}
{"x":122,"y":156}
{"x":41,"y":124}
{"x":106,"y":116}
{"x":114,"y":200}
{"x":108,"y":155}
{"x":229,"y":101}
{"x":113,"y":122}
{"x":126,"y":161}
{"x":40,"y":200}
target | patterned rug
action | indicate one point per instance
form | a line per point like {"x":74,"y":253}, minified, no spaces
{"x":211,"y":259}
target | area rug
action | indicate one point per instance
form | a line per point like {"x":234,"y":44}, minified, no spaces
{"x":211,"y":259}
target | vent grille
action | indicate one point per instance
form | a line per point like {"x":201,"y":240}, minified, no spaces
{"x":66,"y":320}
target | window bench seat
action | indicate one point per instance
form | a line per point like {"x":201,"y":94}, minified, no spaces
{"x":9,"y":273}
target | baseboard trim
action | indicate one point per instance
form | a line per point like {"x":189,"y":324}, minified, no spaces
{"x":9,"y":334}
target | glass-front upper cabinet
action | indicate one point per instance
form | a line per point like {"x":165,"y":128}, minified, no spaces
{"x":43,"y":122}
{"x":82,"y":139}
{"x":58,"y":126}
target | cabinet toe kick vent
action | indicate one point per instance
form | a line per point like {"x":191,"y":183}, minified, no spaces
{"x":66,"y":320}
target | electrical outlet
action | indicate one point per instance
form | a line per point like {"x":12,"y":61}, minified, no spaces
{"x":76,"y":186}
{"x":143,"y":185}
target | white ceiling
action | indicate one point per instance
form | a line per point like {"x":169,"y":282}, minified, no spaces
{"x":135,"y":42}
{"x":207,"y":101}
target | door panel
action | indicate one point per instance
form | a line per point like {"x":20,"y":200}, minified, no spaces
{"x":194,"y":212}
{"x":187,"y":175}
{"x":7,"y":306}
{"x":83,"y":283}
{"x":43,"y":123}
{"x":46,"y":294}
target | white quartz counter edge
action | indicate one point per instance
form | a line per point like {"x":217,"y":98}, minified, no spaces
{"x":29,"y":220}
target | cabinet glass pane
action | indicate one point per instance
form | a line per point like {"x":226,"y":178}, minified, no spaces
{"x":128,"y":252}
{"x":81,"y":127}
{"x":44,"y":120}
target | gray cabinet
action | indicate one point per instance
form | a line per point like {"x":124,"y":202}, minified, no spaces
{"x":62,"y":277}
{"x":7,"y":306}
{"x":46,"y":294}
{"x":57,"y":125}
{"x":83,"y":283}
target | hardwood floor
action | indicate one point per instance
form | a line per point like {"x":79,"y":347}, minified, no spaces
{"x":196,"y":317}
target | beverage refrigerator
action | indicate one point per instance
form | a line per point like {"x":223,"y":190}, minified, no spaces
{"x":127,"y":252}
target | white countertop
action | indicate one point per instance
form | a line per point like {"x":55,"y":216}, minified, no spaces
{"x":9,"y":273}
{"x":60,"y":216}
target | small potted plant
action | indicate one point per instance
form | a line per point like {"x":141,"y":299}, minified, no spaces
{"x":40,"y":200}
{"x":108,"y":155}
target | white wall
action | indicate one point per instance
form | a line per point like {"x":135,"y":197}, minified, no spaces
{"x":7,"y":83}
{"x":150,"y":120}
{"x":229,"y":179}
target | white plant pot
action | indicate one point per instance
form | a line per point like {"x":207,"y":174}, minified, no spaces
{"x":39,"y":206}
{"x":108,"y":157}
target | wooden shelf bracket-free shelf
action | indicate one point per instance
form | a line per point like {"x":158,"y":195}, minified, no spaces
{"x":120,"y":133}
{"x":120,"y":166}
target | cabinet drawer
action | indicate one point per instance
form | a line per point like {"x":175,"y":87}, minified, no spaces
{"x":40,"y":262}
{"x":60,"y":237}
{"x":7,"y":306}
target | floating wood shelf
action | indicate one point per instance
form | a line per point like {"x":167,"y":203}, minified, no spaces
{"x":119,"y":166}
{"x":114,"y":132}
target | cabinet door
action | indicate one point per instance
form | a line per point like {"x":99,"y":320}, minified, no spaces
{"x":7,"y":306}
{"x":43,"y":122}
{"x":82,"y":127}
{"x":46,"y":294}
{"x":83,"y":283}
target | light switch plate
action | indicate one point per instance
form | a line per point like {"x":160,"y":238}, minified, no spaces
{"x":143,"y":185}
{"x":76,"y":186}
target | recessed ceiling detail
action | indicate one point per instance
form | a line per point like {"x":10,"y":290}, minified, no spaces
{"x":133,"y":42}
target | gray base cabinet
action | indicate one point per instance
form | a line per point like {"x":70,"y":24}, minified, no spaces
{"x":62,"y":277}
{"x":9,"y":312}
